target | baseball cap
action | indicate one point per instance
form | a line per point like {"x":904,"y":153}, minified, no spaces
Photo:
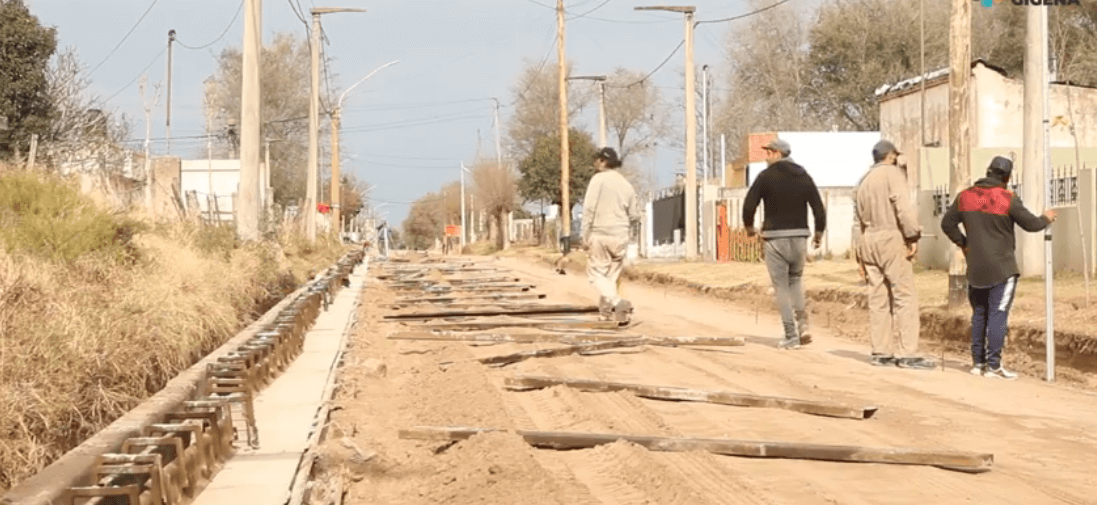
{"x":608,"y":154}
{"x":883,"y":148}
{"x":1001,"y":166}
{"x":778,"y":145}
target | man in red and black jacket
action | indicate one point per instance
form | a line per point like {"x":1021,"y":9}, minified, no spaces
{"x":988,"y":211}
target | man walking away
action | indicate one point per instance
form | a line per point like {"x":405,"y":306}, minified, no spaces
{"x":609,"y":210}
{"x":787,"y":190}
{"x":988,"y":211}
{"x":887,"y":224}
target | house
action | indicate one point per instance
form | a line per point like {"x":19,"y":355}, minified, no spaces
{"x":917,"y":121}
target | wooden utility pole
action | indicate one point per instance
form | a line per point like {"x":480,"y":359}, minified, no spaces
{"x":1032,"y":165}
{"x":247,"y":224}
{"x":335,"y":182}
{"x":314,"y":133}
{"x":959,"y":132}
{"x":691,"y":145}
{"x":565,"y":177}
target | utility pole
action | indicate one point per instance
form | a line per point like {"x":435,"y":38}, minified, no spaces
{"x":336,"y":117}
{"x":1032,"y":178}
{"x":247,"y":224}
{"x":565,"y":167}
{"x":723,"y":162}
{"x":959,"y":130}
{"x":314,"y":120}
{"x":335,"y":182}
{"x":691,"y":128}
{"x":314,"y":132}
{"x":463,"y":170}
{"x":167,"y":126}
{"x":1036,"y":163}
{"x":264,"y":181}
{"x":498,"y":158}
{"x":704,"y":123}
{"x":601,"y":79}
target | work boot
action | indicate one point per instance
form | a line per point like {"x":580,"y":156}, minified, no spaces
{"x":605,"y":309}
{"x":622,"y":311}
{"x":803,"y":328}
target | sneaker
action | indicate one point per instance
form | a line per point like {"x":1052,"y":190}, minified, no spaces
{"x":999,"y":373}
{"x":879,"y":360}
{"x":916,"y":363}
{"x":789,"y":344}
{"x":979,"y":369}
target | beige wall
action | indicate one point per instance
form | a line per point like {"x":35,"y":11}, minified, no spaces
{"x":997,"y":121}
{"x":1068,"y":238}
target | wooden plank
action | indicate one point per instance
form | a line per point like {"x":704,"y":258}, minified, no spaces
{"x":545,"y":324}
{"x":963,"y":461}
{"x":501,"y":311}
{"x":564,"y":338}
{"x":496,"y":296}
{"x":819,"y":408}
{"x":555,"y":352}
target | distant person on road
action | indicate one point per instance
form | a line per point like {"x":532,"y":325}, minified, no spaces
{"x":887,"y":225}
{"x":609,"y":210}
{"x":787,"y":191}
{"x":988,"y":212}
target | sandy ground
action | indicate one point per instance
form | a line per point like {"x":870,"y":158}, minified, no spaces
{"x":1042,"y":436}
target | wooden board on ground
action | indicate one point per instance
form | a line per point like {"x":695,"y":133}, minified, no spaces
{"x":486,"y":296}
{"x":971,"y":462}
{"x":563,"y":338}
{"x":544,"y":324}
{"x":819,"y":408}
{"x":507,"y":359}
{"x":501,"y":311}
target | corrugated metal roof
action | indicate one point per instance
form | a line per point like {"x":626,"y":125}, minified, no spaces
{"x":888,"y":89}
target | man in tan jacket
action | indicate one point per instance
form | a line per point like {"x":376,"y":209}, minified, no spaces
{"x":887,"y":229}
{"x":609,"y":211}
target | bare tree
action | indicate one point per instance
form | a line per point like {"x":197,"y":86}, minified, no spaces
{"x":495,"y":187}
{"x":284,"y":109}
{"x":635,"y":112}
{"x":537,"y":107}
{"x":82,"y":134}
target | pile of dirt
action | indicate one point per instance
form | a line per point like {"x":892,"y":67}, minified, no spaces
{"x":491,"y":468}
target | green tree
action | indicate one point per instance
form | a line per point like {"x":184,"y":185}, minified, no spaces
{"x":540,"y":170}
{"x":25,"y":50}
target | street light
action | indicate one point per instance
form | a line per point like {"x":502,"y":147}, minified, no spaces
{"x":335,"y":117}
{"x":601,"y":79}
{"x":314,"y":120}
{"x":691,"y":129}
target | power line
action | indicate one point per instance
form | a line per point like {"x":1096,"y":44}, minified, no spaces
{"x":741,"y":16}
{"x":154,"y":60}
{"x":644,"y":78}
{"x":410,"y":124}
{"x":135,"y":25}
{"x":603,"y":4}
{"x":540,"y":67}
{"x":218,"y":39}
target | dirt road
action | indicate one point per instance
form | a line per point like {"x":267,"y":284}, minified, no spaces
{"x":1042,"y":437}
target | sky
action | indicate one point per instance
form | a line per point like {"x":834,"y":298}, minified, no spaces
{"x":406,"y":129}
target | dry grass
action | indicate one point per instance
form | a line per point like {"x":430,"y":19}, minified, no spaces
{"x":87,"y":334}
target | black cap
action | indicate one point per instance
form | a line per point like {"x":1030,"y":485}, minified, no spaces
{"x":1000,"y":166}
{"x":610,"y":156}
{"x":882,"y":149}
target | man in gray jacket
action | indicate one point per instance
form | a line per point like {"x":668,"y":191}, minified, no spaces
{"x":609,"y":210}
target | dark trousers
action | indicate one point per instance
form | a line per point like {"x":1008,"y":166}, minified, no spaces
{"x":990,"y":321}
